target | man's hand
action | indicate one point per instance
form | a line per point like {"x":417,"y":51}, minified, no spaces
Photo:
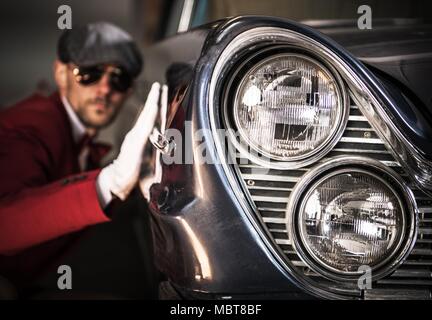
{"x":120,"y":177}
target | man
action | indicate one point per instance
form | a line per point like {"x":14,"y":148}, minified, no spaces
{"x":46,"y":145}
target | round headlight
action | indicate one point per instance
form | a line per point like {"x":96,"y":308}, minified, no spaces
{"x":349,"y":219}
{"x":289,"y":107}
{"x":351,"y":216}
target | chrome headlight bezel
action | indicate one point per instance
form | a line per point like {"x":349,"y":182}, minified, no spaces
{"x":258,"y":156}
{"x":362,"y":164}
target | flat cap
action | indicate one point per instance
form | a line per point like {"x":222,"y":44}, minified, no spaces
{"x":99,"y":43}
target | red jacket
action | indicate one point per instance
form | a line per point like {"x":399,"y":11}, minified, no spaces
{"x":37,"y":152}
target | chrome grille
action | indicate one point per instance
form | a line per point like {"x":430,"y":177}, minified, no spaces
{"x":270,"y":190}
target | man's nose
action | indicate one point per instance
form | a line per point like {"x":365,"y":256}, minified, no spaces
{"x":104,"y":87}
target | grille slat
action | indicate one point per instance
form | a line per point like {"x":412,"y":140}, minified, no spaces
{"x":421,"y":251}
{"x":412,"y":273}
{"x":417,"y":263}
{"x":357,"y":118}
{"x":270,"y":199}
{"x":274,"y":220}
{"x":270,"y":177}
{"x":386,"y":294}
{"x":271,"y":209}
{"x":283,"y":241}
{"x":359,"y":129}
{"x":425,"y":230}
{"x":399,"y":281}
{"x":269,"y":188}
{"x":361,"y":140}
{"x":420,"y":240}
{"x":361,"y":151}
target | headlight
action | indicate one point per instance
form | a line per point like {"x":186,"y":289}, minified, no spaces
{"x":347,"y":215}
{"x":351,"y":218}
{"x":289,"y":107}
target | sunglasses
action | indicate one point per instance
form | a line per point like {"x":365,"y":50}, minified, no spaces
{"x":119,"y":79}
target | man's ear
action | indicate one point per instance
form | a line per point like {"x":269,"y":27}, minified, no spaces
{"x":60,"y":74}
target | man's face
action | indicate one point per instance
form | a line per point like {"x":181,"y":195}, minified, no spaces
{"x":96,"y":104}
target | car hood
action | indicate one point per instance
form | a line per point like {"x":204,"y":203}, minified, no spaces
{"x":401,"y":50}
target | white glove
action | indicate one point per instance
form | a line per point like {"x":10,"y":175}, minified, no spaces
{"x":120,"y":177}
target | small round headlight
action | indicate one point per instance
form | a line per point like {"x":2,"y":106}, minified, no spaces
{"x":289,"y":107}
{"x":351,"y":212}
{"x":351,"y":218}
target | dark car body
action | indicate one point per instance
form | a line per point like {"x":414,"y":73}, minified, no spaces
{"x":210,"y":239}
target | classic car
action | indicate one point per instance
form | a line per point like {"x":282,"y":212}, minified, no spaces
{"x":293,"y":162}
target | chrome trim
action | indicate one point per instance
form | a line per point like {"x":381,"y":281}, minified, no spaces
{"x":368,"y":166}
{"x":161,"y":143}
{"x":186,"y":15}
{"x":400,"y":294}
{"x":269,"y":177}
{"x":275,"y":220}
{"x":357,"y":118}
{"x":418,"y":167}
{"x":360,"y":140}
{"x":311,"y":156}
{"x":339,"y":275}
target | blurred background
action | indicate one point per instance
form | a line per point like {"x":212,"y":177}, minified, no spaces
{"x":29,"y":33}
